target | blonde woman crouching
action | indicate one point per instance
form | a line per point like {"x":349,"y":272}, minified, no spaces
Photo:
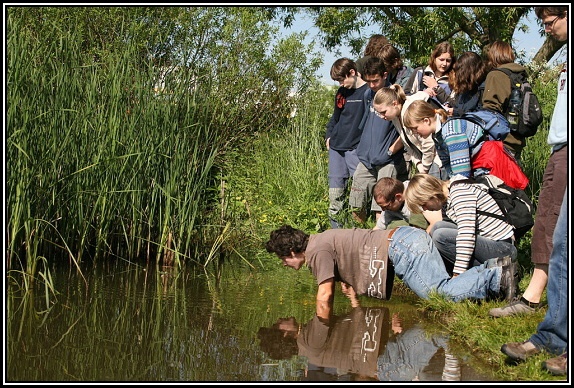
{"x":465,"y":238}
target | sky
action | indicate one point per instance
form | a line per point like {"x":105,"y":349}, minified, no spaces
{"x":530,"y":42}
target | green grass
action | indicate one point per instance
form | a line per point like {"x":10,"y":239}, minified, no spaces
{"x":469,"y":323}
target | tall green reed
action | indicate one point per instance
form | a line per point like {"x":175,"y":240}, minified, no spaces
{"x":102,"y":164}
{"x":99,"y":164}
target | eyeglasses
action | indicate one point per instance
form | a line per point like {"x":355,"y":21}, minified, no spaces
{"x":385,"y":206}
{"x":550,"y":24}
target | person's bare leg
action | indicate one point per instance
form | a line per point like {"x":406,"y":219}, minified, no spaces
{"x":533,"y":292}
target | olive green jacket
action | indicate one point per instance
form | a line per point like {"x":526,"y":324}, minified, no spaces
{"x":495,"y":97}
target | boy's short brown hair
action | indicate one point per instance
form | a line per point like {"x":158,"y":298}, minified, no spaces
{"x":341,"y":69}
{"x":387,"y":187}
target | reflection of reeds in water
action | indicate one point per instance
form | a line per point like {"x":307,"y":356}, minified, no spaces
{"x":147,"y":323}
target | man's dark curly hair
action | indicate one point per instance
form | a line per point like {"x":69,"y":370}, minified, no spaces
{"x":286,"y":239}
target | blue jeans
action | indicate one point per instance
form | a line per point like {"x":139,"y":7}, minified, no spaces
{"x":419,"y":265}
{"x":552,"y":333}
{"x":444,"y":236}
{"x":411,"y":351}
{"x":438,"y":172}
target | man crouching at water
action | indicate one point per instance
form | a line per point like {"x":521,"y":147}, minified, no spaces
{"x":366,"y":261}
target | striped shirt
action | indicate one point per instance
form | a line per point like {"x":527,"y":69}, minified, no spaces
{"x":456,"y":143}
{"x":464,"y":199}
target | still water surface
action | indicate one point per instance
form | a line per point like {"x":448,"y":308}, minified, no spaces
{"x":123,"y":322}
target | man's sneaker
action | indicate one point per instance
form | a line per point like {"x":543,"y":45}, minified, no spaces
{"x":517,"y":306}
{"x":508,"y":281}
{"x":557,"y":366}
{"x":519,"y":351}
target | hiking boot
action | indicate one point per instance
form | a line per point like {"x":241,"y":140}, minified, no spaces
{"x":557,"y":366}
{"x":517,"y":306}
{"x":504,"y":261}
{"x":508,"y":281}
{"x":519,"y":351}
{"x":499,"y":262}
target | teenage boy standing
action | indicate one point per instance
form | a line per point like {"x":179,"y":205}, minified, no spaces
{"x":343,"y":133}
{"x":380,"y":150}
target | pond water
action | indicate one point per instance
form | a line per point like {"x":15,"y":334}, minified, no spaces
{"x":123,"y":322}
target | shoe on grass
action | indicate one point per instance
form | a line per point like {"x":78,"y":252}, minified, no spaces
{"x":519,"y":351}
{"x":558,"y":366}
{"x":516,"y":307}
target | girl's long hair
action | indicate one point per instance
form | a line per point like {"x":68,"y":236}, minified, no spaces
{"x":421,"y":189}
{"x":468,"y":72}
{"x":419,"y":110}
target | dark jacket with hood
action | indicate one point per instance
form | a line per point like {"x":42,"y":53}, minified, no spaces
{"x":495,"y":97}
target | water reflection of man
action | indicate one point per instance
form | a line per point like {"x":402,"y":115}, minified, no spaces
{"x":413,"y":355}
{"x":341,"y":345}
{"x":356,"y":346}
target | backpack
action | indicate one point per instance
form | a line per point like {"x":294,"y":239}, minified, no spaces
{"x":516,"y":206}
{"x":492,"y":123}
{"x":529,"y":112}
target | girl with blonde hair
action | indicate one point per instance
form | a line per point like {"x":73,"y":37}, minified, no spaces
{"x":456,"y":142}
{"x":390,"y":103}
{"x":471,"y":236}
{"x":464,"y":146}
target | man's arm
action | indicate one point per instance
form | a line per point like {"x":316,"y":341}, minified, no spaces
{"x":334,"y":120}
{"x":326,"y":290}
{"x":325,"y":298}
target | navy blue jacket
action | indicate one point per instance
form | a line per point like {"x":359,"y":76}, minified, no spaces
{"x":343,"y":127}
{"x":468,"y":101}
{"x":378,"y":135}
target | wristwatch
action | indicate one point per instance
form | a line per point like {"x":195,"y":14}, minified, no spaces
{"x":390,"y":153}
{"x":435,"y":89}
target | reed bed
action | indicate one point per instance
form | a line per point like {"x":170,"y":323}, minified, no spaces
{"x":98,"y":162}
{"x":98,"y":157}
{"x":112,"y":154}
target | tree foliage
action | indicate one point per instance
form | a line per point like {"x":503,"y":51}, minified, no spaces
{"x":416,"y":30}
{"x":233,"y":54}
